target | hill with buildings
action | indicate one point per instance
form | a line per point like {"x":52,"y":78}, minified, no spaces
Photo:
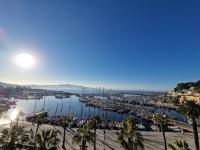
{"x":187,"y":86}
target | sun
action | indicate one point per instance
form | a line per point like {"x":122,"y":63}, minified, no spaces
{"x":25,"y":60}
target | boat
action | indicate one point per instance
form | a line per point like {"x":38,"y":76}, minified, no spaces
{"x":140,"y":126}
{"x":34,"y":97}
{"x":59,"y":96}
{"x":31,"y":97}
{"x":174,"y":128}
{"x":67,"y":96}
{"x":84,"y":100}
{"x":35,"y":115}
{"x":80,"y":122}
{"x":155,"y":128}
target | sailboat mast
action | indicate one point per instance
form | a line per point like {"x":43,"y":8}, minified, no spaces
{"x":35,"y":107}
{"x":56,"y":110}
{"x":44,"y":100}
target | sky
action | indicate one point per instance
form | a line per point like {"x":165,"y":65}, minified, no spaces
{"x":132,"y":44}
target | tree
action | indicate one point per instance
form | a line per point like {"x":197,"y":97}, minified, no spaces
{"x":45,"y":139}
{"x":191,"y":110}
{"x":14,"y":136}
{"x":179,"y":145}
{"x":38,"y":119}
{"x":65,"y":122}
{"x":162,"y":121}
{"x":94,"y":121}
{"x":83,"y":136}
{"x":128,"y":137}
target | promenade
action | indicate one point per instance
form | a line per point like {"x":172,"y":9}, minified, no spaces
{"x":153,"y":140}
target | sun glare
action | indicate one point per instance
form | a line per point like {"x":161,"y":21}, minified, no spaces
{"x":14,"y":114}
{"x":25,"y":60}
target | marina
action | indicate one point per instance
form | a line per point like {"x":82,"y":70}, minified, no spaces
{"x":99,"y":75}
{"x":83,"y":108}
{"x":65,"y":106}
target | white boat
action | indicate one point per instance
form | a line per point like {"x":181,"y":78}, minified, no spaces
{"x":155,"y":128}
{"x":140,"y":126}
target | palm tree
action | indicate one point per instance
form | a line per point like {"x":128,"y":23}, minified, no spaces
{"x":83,"y":136}
{"x":65,"y":123}
{"x":47,"y":139}
{"x":128,"y":137}
{"x":13,"y":137}
{"x":179,"y":145}
{"x":162,"y":121}
{"x":191,"y":110}
{"x":39,"y":119}
{"x":94,"y":121}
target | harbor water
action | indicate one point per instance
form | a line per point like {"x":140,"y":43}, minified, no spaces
{"x":73,"y":107}
{"x":66,"y":106}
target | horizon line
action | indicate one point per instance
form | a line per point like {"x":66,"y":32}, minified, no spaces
{"x":86,"y":86}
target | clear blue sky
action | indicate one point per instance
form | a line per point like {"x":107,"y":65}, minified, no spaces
{"x":120,"y":44}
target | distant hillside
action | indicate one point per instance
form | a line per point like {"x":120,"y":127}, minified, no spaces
{"x":61,"y":87}
{"x":187,"y":85}
{"x":4,"y":85}
{"x":80,"y":89}
{"x":51,"y":86}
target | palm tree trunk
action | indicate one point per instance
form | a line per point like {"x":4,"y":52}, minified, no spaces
{"x":196,"y":138}
{"x":17,"y":121}
{"x":63,"y":145}
{"x":12,"y":142}
{"x":37,"y":128}
{"x":104,"y":137}
{"x":95,"y":133}
{"x":12,"y":145}
{"x":83,"y":145}
{"x":164,"y":137}
{"x":34,"y":146}
{"x":7,"y":140}
{"x":35,"y":135}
